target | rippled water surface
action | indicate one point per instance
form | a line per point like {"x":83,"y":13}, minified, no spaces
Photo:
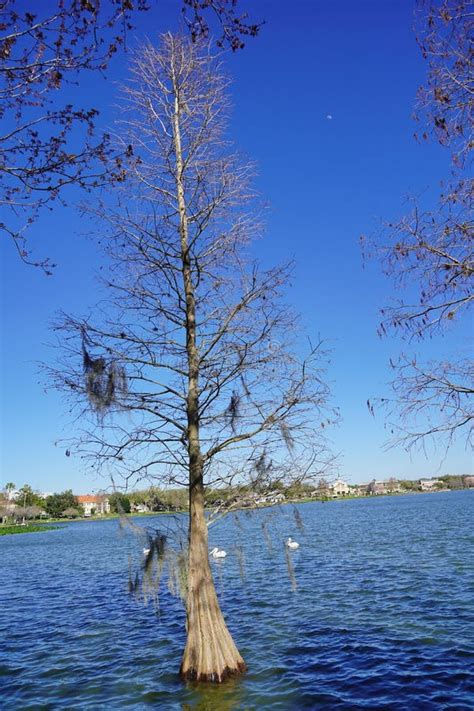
{"x":381,"y":617}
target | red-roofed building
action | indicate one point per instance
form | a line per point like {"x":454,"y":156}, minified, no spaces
{"x":96,"y":504}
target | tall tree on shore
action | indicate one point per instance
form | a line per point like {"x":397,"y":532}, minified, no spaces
{"x":429,"y":253}
{"x":10,"y":487}
{"x":46,"y":142}
{"x":194,"y":371}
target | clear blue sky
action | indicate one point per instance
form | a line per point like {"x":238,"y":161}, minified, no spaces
{"x":327,"y":181}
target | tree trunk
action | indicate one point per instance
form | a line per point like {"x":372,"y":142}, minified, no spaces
{"x":210,"y":653}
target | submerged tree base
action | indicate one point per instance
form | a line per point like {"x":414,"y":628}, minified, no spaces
{"x":210,"y":654}
{"x":215,"y":678}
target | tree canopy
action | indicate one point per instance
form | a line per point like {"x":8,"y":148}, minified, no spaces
{"x":56,"y":504}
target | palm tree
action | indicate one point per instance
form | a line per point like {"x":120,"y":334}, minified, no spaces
{"x":10,"y":488}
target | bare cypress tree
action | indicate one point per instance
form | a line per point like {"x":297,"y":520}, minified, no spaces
{"x":429,"y":252}
{"x":193,"y":367}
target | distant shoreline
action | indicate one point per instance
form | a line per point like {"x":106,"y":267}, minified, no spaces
{"x":46,"y":524}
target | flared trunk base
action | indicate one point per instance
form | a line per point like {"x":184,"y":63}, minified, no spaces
{"x":210,"y":654}
{"x":191,"y":674}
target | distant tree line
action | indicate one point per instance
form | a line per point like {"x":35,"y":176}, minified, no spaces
{"x":29,"y":504}
{"x":449,"y":481}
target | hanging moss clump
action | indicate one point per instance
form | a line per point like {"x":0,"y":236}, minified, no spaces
{"x":104,"y":381}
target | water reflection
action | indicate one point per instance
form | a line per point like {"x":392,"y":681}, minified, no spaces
{"x":228,"y":696}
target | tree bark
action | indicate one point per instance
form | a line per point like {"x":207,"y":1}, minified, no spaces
{"x":210,"y":653}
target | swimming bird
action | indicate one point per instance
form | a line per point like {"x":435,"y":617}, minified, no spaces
{"x":216,"y":553}
{"x":146,"y":551}
{"x":292,"y":544}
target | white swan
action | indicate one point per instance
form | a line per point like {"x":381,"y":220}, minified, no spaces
{"x":146,"y":551}
{"x":292,"y":544}
{"x":216,"y":553}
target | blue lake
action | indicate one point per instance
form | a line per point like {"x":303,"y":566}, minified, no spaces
{"x":381,"y":617}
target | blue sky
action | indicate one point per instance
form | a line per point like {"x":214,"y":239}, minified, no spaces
{"x":327,"y":181}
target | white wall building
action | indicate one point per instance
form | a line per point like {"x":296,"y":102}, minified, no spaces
{"x":340,"y":488}
{"x":94,"y":504}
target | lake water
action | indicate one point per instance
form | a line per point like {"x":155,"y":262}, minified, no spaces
{"x":381,"y":618}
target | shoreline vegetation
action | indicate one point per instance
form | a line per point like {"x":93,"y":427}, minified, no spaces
{"x":25,"y":505}
{"x":27,"y":528}
{"x":45,"y":524}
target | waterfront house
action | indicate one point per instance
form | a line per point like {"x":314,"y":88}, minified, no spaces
{"x":270,"y":499}
{"x":96,"y":504}
{"x":323,"y":489}
{"x":430,"y":484}
{"x":392,"y":486}
{"x":370,"y":489}
{"x":140,"y":508}
{"x":340,"y":488}
{"x":373,"y":488}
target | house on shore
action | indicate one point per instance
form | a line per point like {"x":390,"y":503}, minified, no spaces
{"x":380,"y":487}
{"x":430,"y":484}
{"x":340,"y":488}
{"x":270,"y":499}
{"x":326,"y":490}
{"x":373,"y":488}
{"x":323,"y":491}
{"x":94,"y":504}
{"x":140,"y":508}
